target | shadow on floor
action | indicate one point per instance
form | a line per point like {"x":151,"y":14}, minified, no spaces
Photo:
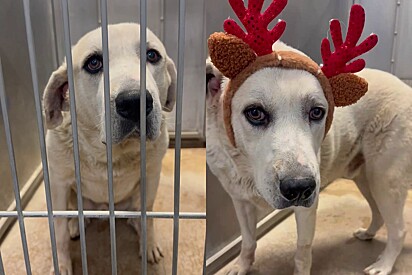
{"x":191,"y":232}
{"x":336,"y":257}
{"x":98,"y":250}
{"x":342,"y":209}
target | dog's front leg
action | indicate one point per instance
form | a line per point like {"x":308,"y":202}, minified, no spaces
{"x":154,"y":251}
{"x":246,"y":215}
{"x":60,"y":193}
{"x":306,"y":223}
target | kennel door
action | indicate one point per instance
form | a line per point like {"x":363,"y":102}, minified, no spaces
{"x":162,"y":19}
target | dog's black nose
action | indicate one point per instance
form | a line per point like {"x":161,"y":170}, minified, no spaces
{"x":128,"y":104}
{"x":297,"y":189}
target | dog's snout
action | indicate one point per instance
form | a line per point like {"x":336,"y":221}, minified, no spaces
{"x":297,"y":189}
{"x":128,"y":104}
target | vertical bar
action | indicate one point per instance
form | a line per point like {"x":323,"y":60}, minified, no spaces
{"x":204,"y":257}
{"x":73,"y":116}
{"x":56,"y":46}
{"x":178,"y":131}
{"x":40,"y":128}
{"x":143,"y":41}
{"x":12,"y":163}
{"x":99,"y":12}
{"x":162,"y":21}
{"x":108,"y":127}
{"x":1,"y":265}
{"x":395,"y":36}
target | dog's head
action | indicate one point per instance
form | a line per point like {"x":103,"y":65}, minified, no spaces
{"x":278,"y":120}
{"x":124,"y":60}
{"x":278,"y":105}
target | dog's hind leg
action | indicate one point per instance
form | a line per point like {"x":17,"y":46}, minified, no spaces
{"x":390,"y":195}
{"x":246,"y":215}
{"x":377,"y":221}
{"x":306,"y":223}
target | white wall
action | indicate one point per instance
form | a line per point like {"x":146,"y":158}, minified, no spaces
{"x":394,"y":51}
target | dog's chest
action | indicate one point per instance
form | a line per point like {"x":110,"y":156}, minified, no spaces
{"x":126,"y":176}
{"x":341,"y":151}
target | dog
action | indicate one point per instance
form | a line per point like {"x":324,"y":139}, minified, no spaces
{"x":124,"y":45}
{"x":369,"y":142}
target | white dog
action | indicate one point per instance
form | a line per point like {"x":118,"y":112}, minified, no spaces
{"x":370,"y":142}
{"x":124,"y":45}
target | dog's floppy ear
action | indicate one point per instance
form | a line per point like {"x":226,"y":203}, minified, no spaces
{"x":171,"y":91}
{"x":213,"y":78}
{"x":56,"y":98}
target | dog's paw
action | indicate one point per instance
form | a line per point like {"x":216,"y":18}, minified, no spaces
{"x":378,"y":268}
{"x":237,"y":269}
{"x":363,"y":234}
{"x":302,"y":270}
{"x":154,"y":253}
{"x":74,"y":230}
{"x":65,"y":268}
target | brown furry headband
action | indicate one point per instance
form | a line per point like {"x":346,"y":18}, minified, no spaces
{"x":238,"y":55}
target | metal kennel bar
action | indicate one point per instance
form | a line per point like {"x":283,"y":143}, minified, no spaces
{"x":395,"y":36}
{"x":143,"y":214}
{"x":108,"y":127}
{"x":73,"y":117}
{"x":178,"y":130}
{"x":106,"y":214}
{"x":40,"y":127}
{"x":1,"y":265}
{"x":13,"y":169}
{"x":143,"y":49}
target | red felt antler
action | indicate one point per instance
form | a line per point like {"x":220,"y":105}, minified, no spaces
{"x":258,"y":37}
{"x":335,"y":63}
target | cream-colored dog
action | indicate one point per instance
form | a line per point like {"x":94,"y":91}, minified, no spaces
{"x":278,"y":118}
{"x":124,"y":45}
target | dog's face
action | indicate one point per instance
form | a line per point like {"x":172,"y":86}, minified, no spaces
{"x":278,"y":118}
{"x":124,"y":70}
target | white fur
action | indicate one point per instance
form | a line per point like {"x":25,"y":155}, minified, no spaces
{"x":369,"y":142}
{"x":124,"y":75}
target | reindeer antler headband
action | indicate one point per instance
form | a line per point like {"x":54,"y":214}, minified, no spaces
{"x":238,"y":55}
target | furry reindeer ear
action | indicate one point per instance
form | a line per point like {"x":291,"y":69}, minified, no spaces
{"x":229,"y":54}
{"x":234,"y":51}
{"x":347,"y":88}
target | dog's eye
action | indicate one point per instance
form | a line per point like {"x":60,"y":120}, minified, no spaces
{"x":93,"y":64}
{"x":316,"y":113}
{"x":256,"y":116}
{"x":153,"y":56}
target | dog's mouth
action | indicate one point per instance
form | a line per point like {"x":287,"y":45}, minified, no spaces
{"x":135,"y":134}
{"x":303,"y":201}
{"x":123,"y":130}
{"x":279,"y":202}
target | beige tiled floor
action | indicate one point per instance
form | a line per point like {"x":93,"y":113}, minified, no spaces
{"x":342,"y":209}
{"x":192,"y":232}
